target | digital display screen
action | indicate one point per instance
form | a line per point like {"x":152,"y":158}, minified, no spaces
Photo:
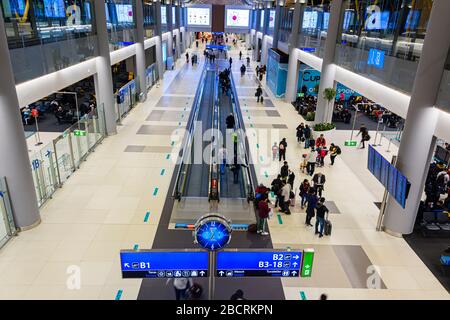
{"x":124,"y":13}
{"x":384,"y":174}
{"x":326,"y":20}
{"x":163,"y":15}
{"x":258,"y":264}
{"x":349,"y":16}
{"x":377,"y":20}
{"x":377,"y":166}
{"x":15,"y":6}
{"x":412,"y":21}
{"x":272,"y":19}
{"x":198,"y":16}
{"x":161,"y":264}
{"x":237,"y":18}
{"x":371,"y":159}
{"x":376,"y":58}
{"x":87,"y":10}
{"x":54,"y":9}
{"x":400,"y":189}
{"x":174,"y":16}
{"x":262,"y":20}
{"x":310,"y":20}
{"x":108,"y":19}
{"x":392,"y":181}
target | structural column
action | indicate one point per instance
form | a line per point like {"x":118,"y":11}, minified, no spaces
{"x":417,"y":144}
{"x":277,"y":24}
{"x":140,"y":50}
{"x":158,"y":29}
{"x":294,"y":62}
{"x":264,"y":36}
{"x":178,"y":26}
{"x":15,"y":164}
{"x":103,"y":78}
{"x":324,"y":110}
{"x":256,"y":43}
{"x":170,"y":31}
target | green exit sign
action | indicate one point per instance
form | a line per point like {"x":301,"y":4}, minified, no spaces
{"x":350,"y":143}
{"x":79,"y":133}
{"x":307,"y":263}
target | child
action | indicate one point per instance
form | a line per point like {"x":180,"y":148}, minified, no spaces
{"x":303,"y":163}
{"x":274,"y":151}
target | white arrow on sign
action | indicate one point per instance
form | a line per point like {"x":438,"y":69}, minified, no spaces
{"x":295,"y":264}
{"x":127,"y":265}
{"x":202,"y":273}
{"x":296,"y":257}
{"x":307,"y":266}
{"x":221,"y":273}
{"x":294,"y":272}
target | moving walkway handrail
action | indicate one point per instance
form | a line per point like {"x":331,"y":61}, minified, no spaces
{"x":188,"y":138}
{"x":244,"y":144}
{"x":214,"y":190}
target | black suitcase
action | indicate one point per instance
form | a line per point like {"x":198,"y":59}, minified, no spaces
{"x":328,"y":227}
{"x":195,"y":292}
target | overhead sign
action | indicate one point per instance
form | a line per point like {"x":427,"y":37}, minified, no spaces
{"x":164,"y":264}
{"x":198,"y":16}
{"x":258,"y":263}
{"x":238,"y":18}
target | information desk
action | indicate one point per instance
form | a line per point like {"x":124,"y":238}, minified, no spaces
{"x":232,"y":263}
{"x":164,"y":264}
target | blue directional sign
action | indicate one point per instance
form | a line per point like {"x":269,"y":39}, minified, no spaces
{"x":258,"y":263}
{"x":376,"y":58}
{"x":164,"y":264}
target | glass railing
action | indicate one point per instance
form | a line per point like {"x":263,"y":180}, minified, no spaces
{"x":7,"y":227}
{"x":53,"y":164}
{"x":127,"y":99}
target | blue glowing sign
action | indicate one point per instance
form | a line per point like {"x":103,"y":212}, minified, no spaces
{"x":376,"y":58}
{"x":258,"y":264}
{"x":164,"y":264}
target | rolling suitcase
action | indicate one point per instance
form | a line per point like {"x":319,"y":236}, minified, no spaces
{"x":328,"y":227}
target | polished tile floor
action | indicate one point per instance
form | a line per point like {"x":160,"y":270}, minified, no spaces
{"x":115,"y":200}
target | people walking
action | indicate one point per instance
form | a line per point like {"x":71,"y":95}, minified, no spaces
{"x":291,"y":179}
{"x":282,"y":149}
{"x":243,"y":69}
{"x":258,"y":93}
{"x":284,"y":171}
{"x":274,"y":151}
{"x":334,"y":152}
{"x":285,"y":194}
{"x":187,"y":57}
{"x":307,"y":136}
{"x":300,"y":132}
{"x":304,"y":188}
{"x":240,"y":55}
{"x":231,"y":61}
{"x":276,"y":188}
{"x":364,"y":136}
{"x":312,"y":157}
{"x":321,"y":212}
{"x":319,"y":182}
{"x":248,"y":61}
{"x":321,"y":142}
{"x":311,"y":203}
{"x":181,"y":286}
{"x":230,"y":122}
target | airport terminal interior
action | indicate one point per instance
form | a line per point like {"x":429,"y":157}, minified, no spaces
{"x":225,"y":150}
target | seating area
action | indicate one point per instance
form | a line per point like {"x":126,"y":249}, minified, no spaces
{"x":435,"y":223}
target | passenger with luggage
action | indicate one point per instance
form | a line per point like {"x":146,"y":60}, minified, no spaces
{"x":258,"y":94}
{"x":321,"y":212}
{"x":364,"y":136}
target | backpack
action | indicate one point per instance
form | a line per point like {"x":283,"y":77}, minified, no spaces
{"x":338,"y":150}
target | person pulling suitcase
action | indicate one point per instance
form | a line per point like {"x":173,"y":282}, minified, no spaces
{"x":321,"y":212}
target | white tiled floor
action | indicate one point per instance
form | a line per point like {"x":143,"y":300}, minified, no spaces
{"x":101,"y":210}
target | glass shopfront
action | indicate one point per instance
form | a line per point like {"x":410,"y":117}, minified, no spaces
{"x":120,"y":22}
{"x":383,"y":39}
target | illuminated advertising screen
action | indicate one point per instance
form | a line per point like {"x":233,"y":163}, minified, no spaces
{"x":310,"y":20}
{"x":348,"y":19}
{"x":262,"y":19}
{"x":13,"y":7}
{"x":54,"y":9}
{"x":326,"y":20}
{"x":163,"y":15}
{"x":272,"y":19}
{"x":377,"y":20}
{"x":124,"y":13}
{"x":237,"y":18}
{"x":412,"y":21}
{"x":198,"y":16}
{"x":174,"y":16}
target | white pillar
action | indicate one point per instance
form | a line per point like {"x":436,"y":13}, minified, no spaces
{"x":264,"y":45}
{"x":277,"y":24}
{"x":417,"y":142}
{"x":14,"y":163}
{"x":159,"y":54}
{"x":170,"y":30}
{"x":105,"y":94}
{"x":256,"y":43}
{"x":140,"y":51}
{"x":294,"y":62}
{"x":327,"y":75}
